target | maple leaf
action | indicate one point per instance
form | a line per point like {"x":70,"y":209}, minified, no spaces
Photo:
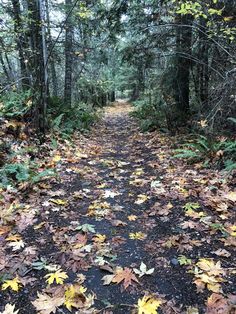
{"x":210,"y":267}
{"x":74,"y":297}
{"x":100,"y":238}
{"x":46,"y":304}
{"x":141,"y":199}
{"x":191,"y":206}
{"x":183,"y":260}
{"x":17,"y":245}
{"x":222,"y":252}
{"x":59,"y":202}
{"x":110,"y":194}
{"x":107,"y":279}
{"x":14,"y":284}
{"x":9,"y":309}
{"x":137,"y":235}
{"x":148,"y":305}
{"x":86,"y":228}
{"x":211,"y":282}
{"x":132,"y":217}
{"x":143,"y":270}
{"x":217,"y":304}
{"x":4,"y":229}
{"x":126,"y":275}
{"x":59,"y":276}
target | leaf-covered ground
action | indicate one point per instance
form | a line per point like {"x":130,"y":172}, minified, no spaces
{"x":124,"y":228}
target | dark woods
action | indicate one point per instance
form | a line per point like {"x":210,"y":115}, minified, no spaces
{"x":174,"y":59}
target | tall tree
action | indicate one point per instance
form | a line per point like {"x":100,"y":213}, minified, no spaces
{"x":38,"y":61}
{"x":182,"y":65}
{"x":21,"y":42}
{"x":68,"y":53}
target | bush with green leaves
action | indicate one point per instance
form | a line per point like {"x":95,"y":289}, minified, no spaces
{"x":209,"y":150}
{"x":76,"y":118}
{"x":14,"y":173}
{"x":149,"y":115}
{"x":15,"y":104}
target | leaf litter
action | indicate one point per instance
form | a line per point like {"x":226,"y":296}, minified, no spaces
{"x":121,"y":229}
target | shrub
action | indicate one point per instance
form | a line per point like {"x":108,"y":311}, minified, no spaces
{"x":15,"y":104}
{"x":149,"y":115}
{"x":15,"y":173}
{"x":76,"y":118}
{"x":209,"y":150}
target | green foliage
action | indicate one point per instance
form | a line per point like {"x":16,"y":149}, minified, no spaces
{"x":66,"y":120}
{"x":209,"y":150}
{"x":149,"y":115}
{"x":15,"y":104}
{"x":203,"y":147}
{"x":15,"y":173}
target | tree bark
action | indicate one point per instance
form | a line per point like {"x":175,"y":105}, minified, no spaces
{"x":21,"y":44}
{"x":68,"y":54}
{"x":50,"y":46}
{"x":38,"y":62}
{"x":182,"y":65}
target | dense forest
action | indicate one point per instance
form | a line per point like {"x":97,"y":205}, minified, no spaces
{"x":117,"y":156}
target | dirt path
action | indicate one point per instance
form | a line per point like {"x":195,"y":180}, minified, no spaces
{"x":119,"y":203}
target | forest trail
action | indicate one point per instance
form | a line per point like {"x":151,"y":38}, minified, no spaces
{"x":119,"y":202}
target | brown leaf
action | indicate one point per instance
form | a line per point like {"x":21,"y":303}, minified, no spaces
{"x":126,"y":275}
{"x":217,"y":304}
{"x":46,"y":304}
{"x":222,"y":252}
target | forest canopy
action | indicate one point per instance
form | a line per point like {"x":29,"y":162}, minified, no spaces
{"x":175,"y":57}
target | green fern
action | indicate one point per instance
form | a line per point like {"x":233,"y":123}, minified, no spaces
{"x":186,"y":154}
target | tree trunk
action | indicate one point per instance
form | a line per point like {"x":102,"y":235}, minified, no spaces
{"x":182,"y":65}
{"x":68,"y":54}
{"x":203,"y":67}
{"x":38,"y":62}
{"x":21,"y":44}
{"x":50,"y":46}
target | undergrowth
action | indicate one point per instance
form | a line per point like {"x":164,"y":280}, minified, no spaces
{"x":212,"y":152}
{"x":149,"y":115}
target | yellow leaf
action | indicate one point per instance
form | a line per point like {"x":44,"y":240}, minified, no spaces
{"x":132,"y":217}
{"x":99,"y":238}
{"x":59,"y":202}
{"x":148,"y":305}
{"x":210,"y":267}
{"x":137,"y":235}
{"x":14,"y":284}
{"x":56,"y":158}
{"x":141,"y":199}
{"x":74,"y":297}
{"x":58,"y":276}
{"x":231,"y":196}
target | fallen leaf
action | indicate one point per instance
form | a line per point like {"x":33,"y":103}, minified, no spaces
{"x":222,"y":252}
{"x":148,"y":305}
{"x":74,"y":297}
{"x":218,"y":304}
{"x":9,"y":309}
{"x":132,"y":217}
{"x":126,"y":275}
{"x":143,"y":270}
{"x":46,"y":304}
{"x":59,"y":277}
{"x":14,"y":284}
{"x":137,"y":235}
